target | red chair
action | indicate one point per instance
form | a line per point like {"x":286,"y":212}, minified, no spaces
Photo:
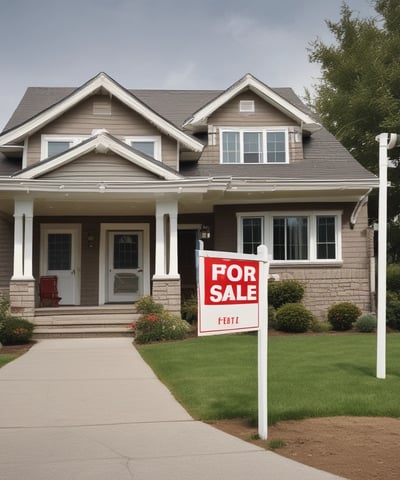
{"x":48,"y":291}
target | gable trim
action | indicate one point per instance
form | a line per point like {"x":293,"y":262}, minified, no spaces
{"x":260,"y":89}
{"x":100,"y":81}
{"x":100,"y":143}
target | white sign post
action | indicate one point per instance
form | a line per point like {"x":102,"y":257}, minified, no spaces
{"x":232,"y":297}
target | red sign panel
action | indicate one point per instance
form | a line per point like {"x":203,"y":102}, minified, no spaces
{"x":230,"y":282}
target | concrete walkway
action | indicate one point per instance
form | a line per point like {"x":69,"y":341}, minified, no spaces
{"x":92,"y":409}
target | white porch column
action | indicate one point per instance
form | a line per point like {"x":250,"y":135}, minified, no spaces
{"x":173,"y":243}
{"x":160,"y":241}
{"x":166,"y":265}
{"x":23,"y":238}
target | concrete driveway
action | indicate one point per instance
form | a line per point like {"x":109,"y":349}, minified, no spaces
{"x":92,"y":409}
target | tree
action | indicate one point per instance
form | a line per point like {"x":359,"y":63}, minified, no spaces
{"x":358,"y":94}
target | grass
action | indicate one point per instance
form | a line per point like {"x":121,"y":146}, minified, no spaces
{"x":309,"y":376}
{"x":7,"y":357}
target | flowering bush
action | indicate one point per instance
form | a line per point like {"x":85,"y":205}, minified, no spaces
{"x":156,"y":324}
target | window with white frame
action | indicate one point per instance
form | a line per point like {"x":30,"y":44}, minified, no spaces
{"x":297,"y":237}
{"x":55,"y":144}
{"x":254,"y":145}
{"x":150,"y":146}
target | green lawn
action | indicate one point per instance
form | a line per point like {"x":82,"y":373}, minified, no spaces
{"x":6,"y":357}
{"x":309,"y":376}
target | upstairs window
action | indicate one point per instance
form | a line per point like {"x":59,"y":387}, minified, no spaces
{"x":150,"y":146}
{"x":56,"y":144}
{"x":260,"y":145}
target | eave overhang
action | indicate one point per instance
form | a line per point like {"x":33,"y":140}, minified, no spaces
{"x":101,"y":82}
{"x":200,"y":118}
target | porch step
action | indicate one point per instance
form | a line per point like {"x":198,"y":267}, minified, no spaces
{"x":107,"y":320}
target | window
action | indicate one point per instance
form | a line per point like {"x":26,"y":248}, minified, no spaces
{"x":290,"y":238}
{"x":254,"y":145}
{"x":326,"y":237}
{"x":56,"y":144}
{"x":252,"y":234}
{"x":150,"y":146}
{"x":299,"y":237}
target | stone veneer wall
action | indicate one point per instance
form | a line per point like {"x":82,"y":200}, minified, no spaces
{"x":168,"y":293}
{"x":22,"y":298}
{"x":327,"y":286}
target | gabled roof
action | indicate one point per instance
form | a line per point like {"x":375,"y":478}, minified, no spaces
{"x":98,"y":83}
{"x":100,"y":143}
{"x":248,"y":82}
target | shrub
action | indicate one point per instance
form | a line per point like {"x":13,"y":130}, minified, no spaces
{"x":393,"y":277}
{"x":318,"y":327}
{"x":393,"y":310}
{"x":189,"y":309}
{"x":294,"y":318}
{"x":4,"y":307}
{"x":284,"y":291}
{"x":156,"y":324}
{"x":271,"y":317}
{"x":342,"y":315}
{"x":15,"y":331}
{"x":156,"y":327}
{"x":366,"y":323}
{"x":146,"y":304}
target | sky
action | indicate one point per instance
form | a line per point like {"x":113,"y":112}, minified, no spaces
{"x":171,"y":44}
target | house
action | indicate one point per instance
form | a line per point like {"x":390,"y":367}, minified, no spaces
{"x":109,"y":189}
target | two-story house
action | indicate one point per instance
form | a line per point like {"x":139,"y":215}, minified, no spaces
{"x":109,"y":189}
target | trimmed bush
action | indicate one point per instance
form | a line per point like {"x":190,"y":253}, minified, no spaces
{"x":15,"y":331}
{"x":284,"y":291}
{"x":342,"y":315}
{"x":294,"y":318}
{"x":366,"y":323}
{"x":393,"y":277}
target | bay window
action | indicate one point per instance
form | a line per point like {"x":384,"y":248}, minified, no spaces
{"x":254,"y":145}
{"x":298,"y":237}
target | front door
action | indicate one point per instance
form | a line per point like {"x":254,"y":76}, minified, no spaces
{"x":60,"y":257}
{"x":125,"y":266}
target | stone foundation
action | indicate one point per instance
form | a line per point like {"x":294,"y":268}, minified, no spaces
{"x":168,"y":293}
{"x":22,"y":298}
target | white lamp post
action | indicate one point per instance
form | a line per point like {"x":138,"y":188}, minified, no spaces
{"x":386,"y":142}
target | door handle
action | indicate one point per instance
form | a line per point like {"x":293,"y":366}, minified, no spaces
{"x":140,"y":270}
{"x":73,"y":272}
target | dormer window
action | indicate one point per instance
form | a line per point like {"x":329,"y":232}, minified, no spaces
{"x":150,"y":146}
{"x":56,"y":144}
{"x":258,"y":145}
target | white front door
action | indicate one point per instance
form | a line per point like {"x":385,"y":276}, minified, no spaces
{"x":60,"y":254}
{"x":125,"y":266}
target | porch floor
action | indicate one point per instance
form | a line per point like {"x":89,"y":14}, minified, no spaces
{"x":84,"y":321}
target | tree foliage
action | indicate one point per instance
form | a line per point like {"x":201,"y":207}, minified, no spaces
{"x":358,"y":94}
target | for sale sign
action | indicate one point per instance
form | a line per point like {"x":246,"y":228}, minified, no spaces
{"x":229,"y":293}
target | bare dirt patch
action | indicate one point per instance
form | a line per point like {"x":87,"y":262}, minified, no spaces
{"x":16,"y":349}
{"x":357,"y":448}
